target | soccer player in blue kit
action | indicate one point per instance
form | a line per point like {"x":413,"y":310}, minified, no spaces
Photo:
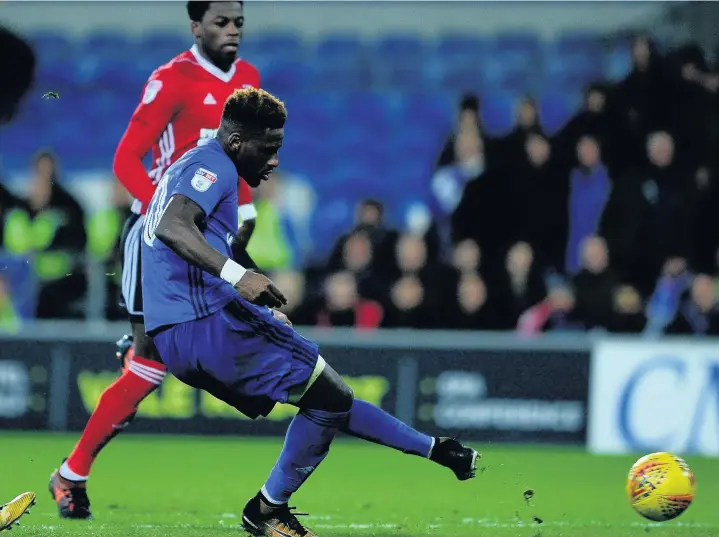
{"x":212,"y":322}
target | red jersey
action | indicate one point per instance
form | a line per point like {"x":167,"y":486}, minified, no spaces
{"x":181,"y":108}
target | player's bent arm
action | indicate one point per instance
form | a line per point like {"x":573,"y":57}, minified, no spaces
{"x":178,"y":230}
{"x":160,"y":101}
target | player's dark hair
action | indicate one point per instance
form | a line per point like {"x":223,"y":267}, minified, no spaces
{"x":254,"y":109}
{"x":17,"y":63}
{"x":196,"y":10}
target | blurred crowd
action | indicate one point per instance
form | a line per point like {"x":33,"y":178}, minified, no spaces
{"x":609,"y":224}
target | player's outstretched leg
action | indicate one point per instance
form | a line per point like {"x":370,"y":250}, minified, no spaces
{"x":115,"y":410}
{"x":371,"y":423}
{"x":324,"y":409}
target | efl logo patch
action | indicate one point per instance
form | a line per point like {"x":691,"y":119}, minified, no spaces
{"x":203,"y":179}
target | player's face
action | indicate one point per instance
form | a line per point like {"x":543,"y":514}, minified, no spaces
{"x":258,"y":156}
{"x":220,"y":32}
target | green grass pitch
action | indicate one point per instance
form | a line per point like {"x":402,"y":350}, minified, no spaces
{"x":196,"y":486}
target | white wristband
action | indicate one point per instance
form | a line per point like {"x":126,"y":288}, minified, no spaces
{"x":232,"y":272}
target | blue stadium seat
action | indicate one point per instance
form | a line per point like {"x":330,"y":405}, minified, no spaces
{"x":108,"y":44}
{"x":556,"y":109}
{"x":578,"y":40}
{"x":513,"y":76}
{"x":50,"y":45}
{"x":521,"y":42}
{"x":499,"y":113}
{"x":20,"y":138}
{"x":372,"y":108}
{"x":109,"y":74}
{"x":570,"y":75}
{"x":399,"y":77}
{"x":340,"y":48}
{"x":56,"y":75}
{"x":284,"y":77}
{"x":401,"y":49}
{"x":341,"y":77}
{"x":435,"y":110}
{"x":618,"y":63}
{"x":458,"y":47}
{"x":277,"y":42}
{"x":456,"y":77}
{"x":333,"y":217}
{"x":164,"y":44}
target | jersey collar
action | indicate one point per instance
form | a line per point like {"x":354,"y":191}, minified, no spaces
{"x":211,"y":68}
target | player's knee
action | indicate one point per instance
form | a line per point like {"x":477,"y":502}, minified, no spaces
{"x":329,"y":393}
{"x":345,"y":397}
{"x":340,"y":396}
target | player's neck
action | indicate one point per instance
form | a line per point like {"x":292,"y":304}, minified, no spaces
{"x":223,"y":66}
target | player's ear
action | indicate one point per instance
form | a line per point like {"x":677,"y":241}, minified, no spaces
{"x":234,"y":141}
{"x":196,"y":28}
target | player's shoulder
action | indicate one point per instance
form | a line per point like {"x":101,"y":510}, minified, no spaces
{"x":177,"y":68}
{"x":246,"y":74}
{"x":212,"y":163}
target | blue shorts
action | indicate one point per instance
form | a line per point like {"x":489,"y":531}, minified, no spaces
{"x":242,"y":355}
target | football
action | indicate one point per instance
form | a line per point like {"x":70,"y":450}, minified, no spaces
{"x":661,"y":486}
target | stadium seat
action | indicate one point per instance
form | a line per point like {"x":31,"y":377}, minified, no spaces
{"x":435,"y":110}
{"x":500,"y":73}
{"x":520,"y":42}
{"x":555,"y":110}
{"x":575,"y":40}
{"x":340,"y":48}
{"x":400,"y":49}
{"x":278,"y":42}
{"x":341,"y":77}
{"x":56,"y":75}
{"x":51,"y":46}
{"x":95,"y":73}
{"x":284,"y":77}
{"x":333,"y":217}
{"x":458,"y":47}
{"x":399,"y":77}
{"x":370,"y":108}
{"x":456,"y":77}
{"x":571,"y":75}
{"x":108,"y":44}
{"x":165,"y":44}
{"x":618,"y":63}
{"x":499,"y":113}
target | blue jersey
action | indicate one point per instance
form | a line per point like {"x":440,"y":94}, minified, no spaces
{"x":175,"y":291}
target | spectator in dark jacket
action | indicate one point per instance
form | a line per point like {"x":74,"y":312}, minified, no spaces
{"x":59,"y":239}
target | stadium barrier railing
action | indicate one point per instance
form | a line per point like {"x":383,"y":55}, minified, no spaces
{"x":613,"y":395}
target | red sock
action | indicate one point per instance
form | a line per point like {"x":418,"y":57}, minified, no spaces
{"x":117,"y":404}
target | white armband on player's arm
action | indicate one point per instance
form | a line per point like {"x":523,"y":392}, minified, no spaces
{"x":247,"y":212}
{"x":232,"y":272}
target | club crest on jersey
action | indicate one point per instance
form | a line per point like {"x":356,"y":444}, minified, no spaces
{"x":151,"y":90}
{"x":203,"y":179}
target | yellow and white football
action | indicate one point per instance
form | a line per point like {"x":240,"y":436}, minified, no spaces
{"x":661,"y":486}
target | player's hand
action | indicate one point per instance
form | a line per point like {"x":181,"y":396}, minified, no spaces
{"x":281,"y":317}
{"x":260,"y":290}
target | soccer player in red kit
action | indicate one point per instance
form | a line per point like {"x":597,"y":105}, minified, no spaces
{"x":181,"y":108}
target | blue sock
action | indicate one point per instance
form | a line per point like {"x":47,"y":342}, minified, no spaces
{"x":307,"y":442}
{"x":374,"y":424}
